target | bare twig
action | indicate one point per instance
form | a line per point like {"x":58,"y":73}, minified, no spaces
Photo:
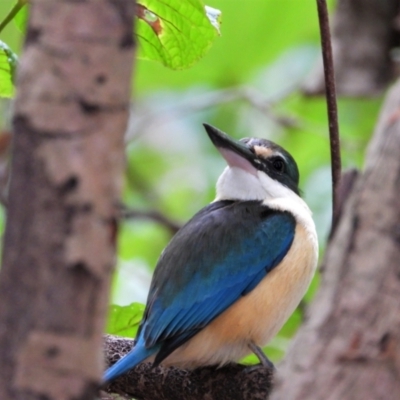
{"x":331,"y":103}
{"x":347,"y":182}
{"x":207,"y":100}
{"x":153,"y":215}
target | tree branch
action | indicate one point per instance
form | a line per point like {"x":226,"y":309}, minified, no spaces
{"x":232,"y":382}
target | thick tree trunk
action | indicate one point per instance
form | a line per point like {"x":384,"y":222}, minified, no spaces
{"x":70,"y":116}
{"x":349,"y":346}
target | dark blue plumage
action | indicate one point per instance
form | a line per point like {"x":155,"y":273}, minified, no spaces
{"x":221,"y":254}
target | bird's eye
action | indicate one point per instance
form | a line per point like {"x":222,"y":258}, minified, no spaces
{"x":278,"y":164}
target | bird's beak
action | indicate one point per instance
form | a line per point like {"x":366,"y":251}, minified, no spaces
{"x":235,"y":153}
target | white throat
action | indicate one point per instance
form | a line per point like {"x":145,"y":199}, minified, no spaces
{"x":237,"y":184}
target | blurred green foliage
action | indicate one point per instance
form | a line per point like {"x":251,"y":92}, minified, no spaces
{"x":247,"y":85}
{"x":124,"y":320}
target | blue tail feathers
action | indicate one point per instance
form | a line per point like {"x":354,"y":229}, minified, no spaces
{"x":138,"y":354}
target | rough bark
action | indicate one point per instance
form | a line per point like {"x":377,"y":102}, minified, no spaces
{"x":70,"y":116}
{"x":364,"y":33}
{"x":233,"y":382}
{"x":349,"y":346}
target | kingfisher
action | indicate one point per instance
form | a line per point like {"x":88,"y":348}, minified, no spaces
{"x":231,"y":276}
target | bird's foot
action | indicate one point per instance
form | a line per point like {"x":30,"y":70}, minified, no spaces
{"x":264,"y":360}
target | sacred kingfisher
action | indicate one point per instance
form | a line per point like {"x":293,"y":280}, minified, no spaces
{"x":232,"y":276}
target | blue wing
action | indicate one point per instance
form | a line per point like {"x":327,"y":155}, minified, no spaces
{"x":221,"y":254}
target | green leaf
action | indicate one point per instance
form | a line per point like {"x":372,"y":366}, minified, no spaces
{"x":124,"y":320}
{"x":175,"y":32}
{"x":8,"y":64}
{"x":21,"y":19}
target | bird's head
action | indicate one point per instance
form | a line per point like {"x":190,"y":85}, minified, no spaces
{"x":257,"y":168}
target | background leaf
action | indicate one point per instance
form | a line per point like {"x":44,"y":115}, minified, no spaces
{"x":124,"y":320}
{"x":8,"y":64}
{"x":21,"y":19}
{"x":175,"y":32}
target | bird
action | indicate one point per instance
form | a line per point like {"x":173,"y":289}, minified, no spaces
{"x":235,"y":272}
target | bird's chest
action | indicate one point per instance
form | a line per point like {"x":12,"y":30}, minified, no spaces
{"x":261,"y":313}
{"x":280,"y":292}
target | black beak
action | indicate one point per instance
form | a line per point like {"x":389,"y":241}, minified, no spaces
{"x":222,"y":141}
